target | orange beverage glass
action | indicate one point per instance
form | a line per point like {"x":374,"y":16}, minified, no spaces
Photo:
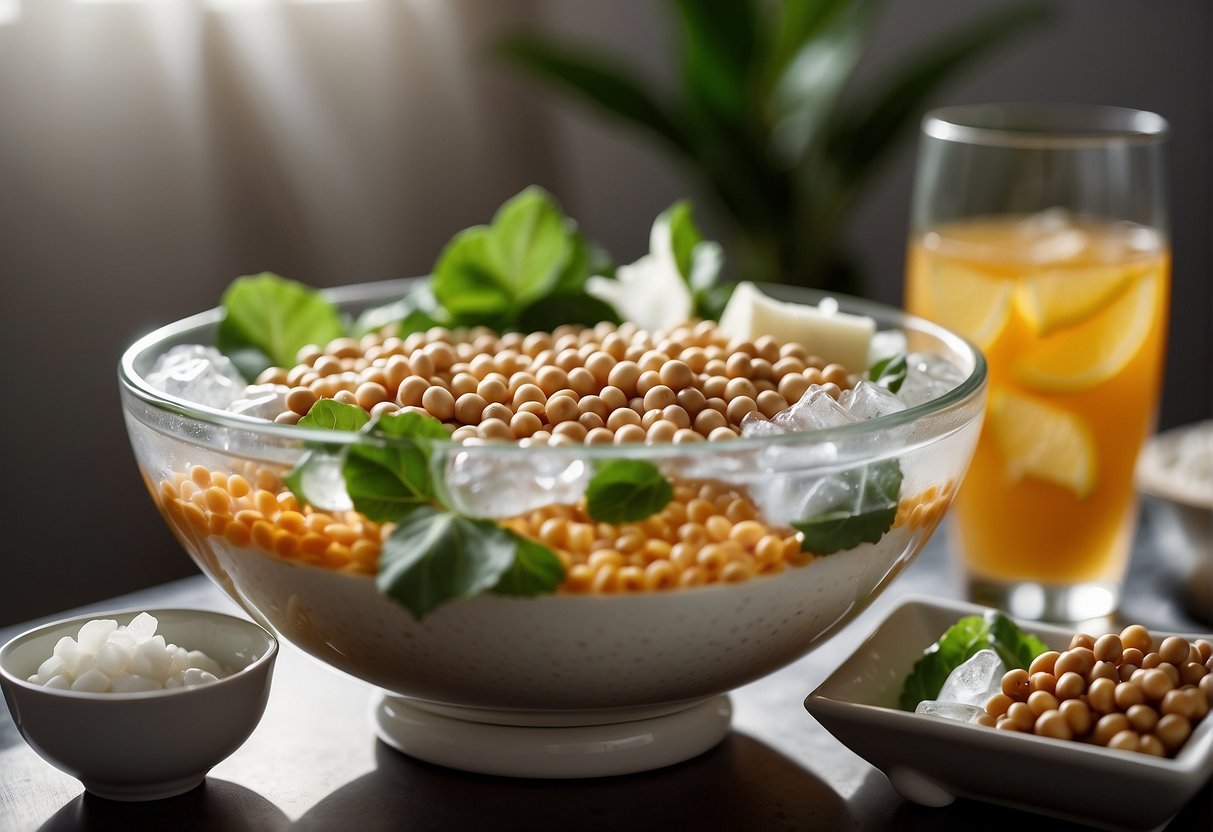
{"x":1040,"y":234}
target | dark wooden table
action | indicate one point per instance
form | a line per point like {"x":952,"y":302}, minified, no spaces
{"x":315,"y":763}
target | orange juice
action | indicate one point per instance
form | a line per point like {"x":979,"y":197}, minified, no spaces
{"x":1072,"y":317}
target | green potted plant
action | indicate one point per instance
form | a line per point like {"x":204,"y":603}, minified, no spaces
{"x":761,"y":116}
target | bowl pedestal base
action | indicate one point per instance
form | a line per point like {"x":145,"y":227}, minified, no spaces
{"x":513,"y":748}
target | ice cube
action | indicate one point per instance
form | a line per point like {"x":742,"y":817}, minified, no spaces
{"x":198,"y":374}
{"x":323,"y":483}
{"x":113,"y":657}
{"x":974,"y":681}
{"x":870,"y":401}
{"x":92,"y":681}
{"x":928,"y":377}
{"x":885,"y":344}
{"x":93,"y":634}
{"x":816,"y":410}
{"x":126,"y":683}
{"x":142,"y":627}
{"x":755,"y":424}
{"x":488,"y":483}
{"x":261,"y":401}
{"x":949,"y":710}
{"x":1051,"y":236}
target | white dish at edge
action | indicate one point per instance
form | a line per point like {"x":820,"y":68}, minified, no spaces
{"x":932,"y":761}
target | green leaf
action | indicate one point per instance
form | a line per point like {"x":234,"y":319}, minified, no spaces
{"x":490,"y":275}
{"x":579,"y":308}
{"x":415,"y":312}
{"x":328,"y":414}
{"x":625,"y":490}
{"x":861,"y":133}
{"x":465,"y":279}
{"x":699,"y":261}
{"x":435,"y":556}
{"x":595,"y":79}
{"x":535,"y":570}
{"x":993,"y":631}
{"x":388,"y":483}
{"x":874,"y":493}
{"x":531,"y":245}
{"x":268,"y":319}
{"x":810,"y":79}
{"x":719,"y":46}
{"x":890,"y":372}
{"x":676,"y":223}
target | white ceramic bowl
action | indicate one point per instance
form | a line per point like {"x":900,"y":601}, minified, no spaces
{"x":933,"y":761}
{"x":1183,"y":507}
{"x":151,"y":745}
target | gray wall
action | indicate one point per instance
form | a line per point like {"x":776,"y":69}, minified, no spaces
{"x":88,"y":261}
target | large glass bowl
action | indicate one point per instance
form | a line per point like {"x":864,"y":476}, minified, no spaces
{"x":565,"y":658}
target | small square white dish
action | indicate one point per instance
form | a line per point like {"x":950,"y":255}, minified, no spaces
{"x":933,"y":761}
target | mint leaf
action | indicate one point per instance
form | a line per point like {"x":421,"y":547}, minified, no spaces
{"x":415,"y":312}
{"x":684,"y":236}
{"x":873,"y":491}
{"x":624,"y":490}
{"x":489,"y":274}
{"x":889,"y":373}
{"x":535,"y":570}
{"x":329,"y":414}
{"x":550,"y":312}
{"x":390,"y":482}
{"x":435,"y":556}
{"x":958,"y":644}
{"x":268,"y":319}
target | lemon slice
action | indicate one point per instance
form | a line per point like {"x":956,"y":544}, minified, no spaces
{"x":970,"y":302}
{"x":1061,"y":298}
{"x":1042,"y":441}
{"x":1083,"y":356}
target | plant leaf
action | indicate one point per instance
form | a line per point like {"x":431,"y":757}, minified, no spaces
{"x":720,"y":41}
{"x":875,"y":490}
{"x":329,"y":414}
{"x":388,"y":483}
{"x":535,"y":570}
{"x":417,"y":311}
{"x":861,"y":133}
{"x":958,"y":644}
{"x":601,"y":83}
{"x":577,"y":308}
{"x":436,"y":556}
{"x":890,"y":372}
{"x":626,"y":490}
{"x":465,"y":280}
{"x":530,"y":245}
{"x":274,"y":317}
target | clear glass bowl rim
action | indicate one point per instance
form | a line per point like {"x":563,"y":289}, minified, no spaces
{"x":387,"y":290}
{"x":1045,"y":125}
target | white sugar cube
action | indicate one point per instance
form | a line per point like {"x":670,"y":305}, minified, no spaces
{"x":37,"y":679}
{"x":93,"y":634}
{"x":142,"y":627}
{"x":68,"y":652}
{"x":126,"y":683}
{"x":181,"y":659}
{"x":59,"y":682}
{"x":195,"y":676}
{"x":51,"y":667}
{"x":152,"y":659}
{"x":177,"y":680}
{"x":114,"y":658}
{"x":122,"y":638}
{"x":202,"y":661}
{"x":92,"y":681}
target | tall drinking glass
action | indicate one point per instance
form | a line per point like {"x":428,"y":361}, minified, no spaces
{"x":1040,"y":232}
